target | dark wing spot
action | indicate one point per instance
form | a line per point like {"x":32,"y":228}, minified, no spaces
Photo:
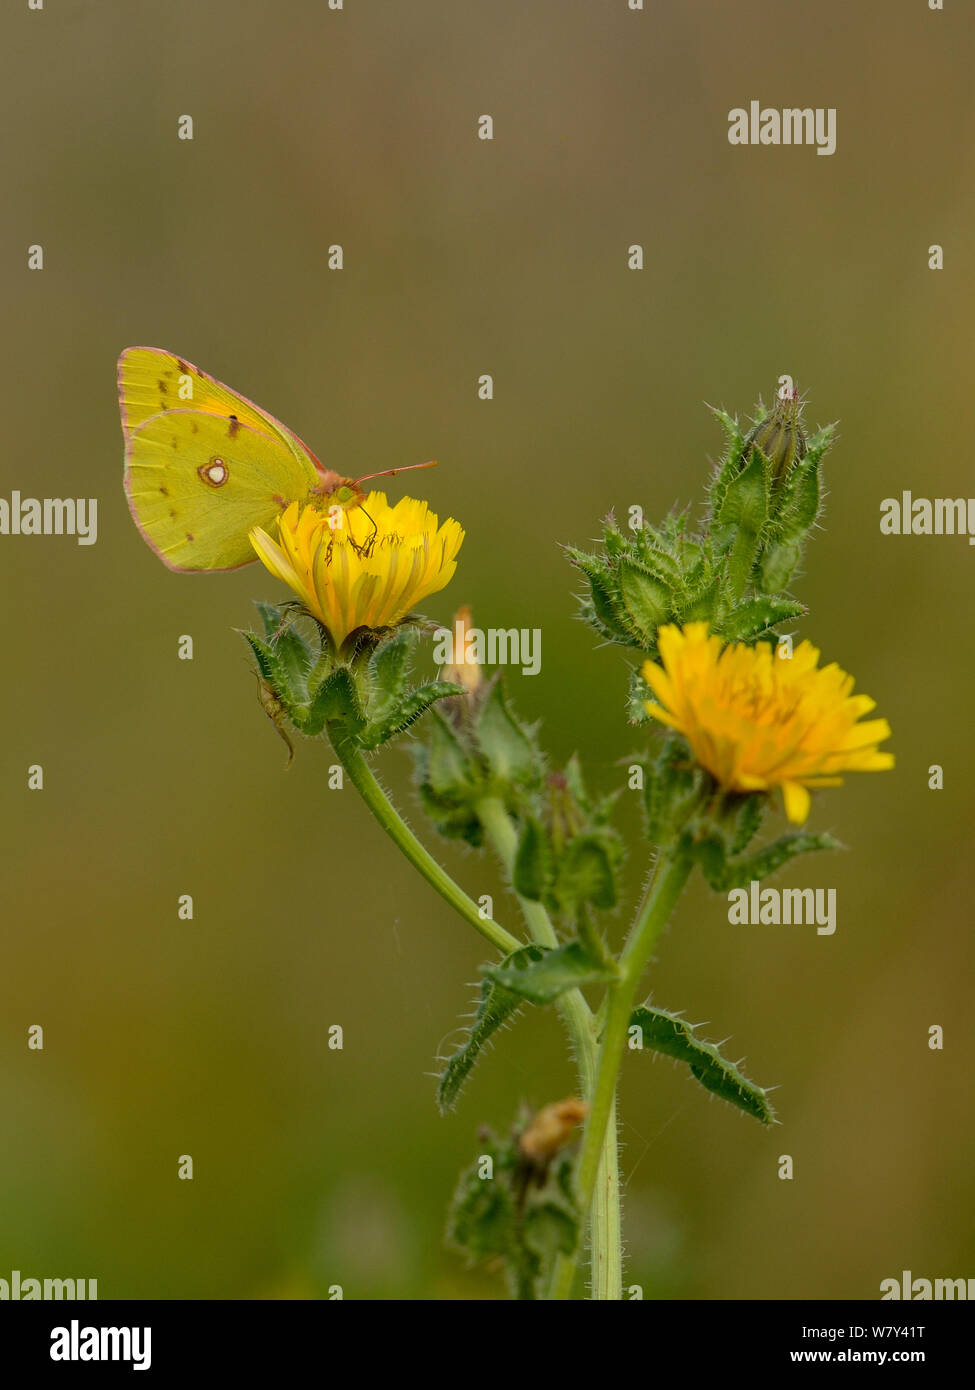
{"x":164,"y":491}
{"x":195,"y":427}
{"x":234,"y":427}
{"x":175,"y":441}
{"x":172,"y":513}
{"x":162,"y":387}
{"x":183,"y":368}
{"x":190,"y":536}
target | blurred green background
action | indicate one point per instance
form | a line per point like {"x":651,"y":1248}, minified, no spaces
{"x":315,"y":1167}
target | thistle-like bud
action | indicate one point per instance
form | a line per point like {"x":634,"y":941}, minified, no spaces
{"x":779,"y":434}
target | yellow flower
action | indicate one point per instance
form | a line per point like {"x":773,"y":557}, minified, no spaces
{"x":758,"y":721}
{"x":362,"y":565}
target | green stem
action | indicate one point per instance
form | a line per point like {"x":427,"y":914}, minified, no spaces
{"x":605,"y":1213}
{"x":655,"y":913}
{"x":360,"y":775}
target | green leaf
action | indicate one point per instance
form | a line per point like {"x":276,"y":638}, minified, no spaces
{"x":389,"y":667}
{"x":336,"y":701}
{"x":746,"y":501}
{"x":669,"y":1034}
{"x":745,"y":507}
{"x":647,"y":600}
{"x":587,"y":873}
{"x":671,"y":784}
{"x":520,"y":1216}
{"x":497,"y":1005}
{"x":482,"y":1217}
{"x":506,"y":747}
{"x":770,"y":858}
{"x":731,"y":464}
{"x":603,"y":608}
{"x":533,"y":862}
{"x":653,"y":557}
{"x":453,"y":821}
{"x":272,"y":616}
{"x":778,"y":564}
{"x":405,"y":711}
{"x":702,"y":603}
{"x":542,"y":980}
{"x":277,"y":673}
{"x":800,"y":501}
{"x":638,"y":693}
{"x":448,"y":769}
{"x":746,"y":821}
{"x":757,"y":617}
{"x":724,"y":874}
{"x":550,"y":1228}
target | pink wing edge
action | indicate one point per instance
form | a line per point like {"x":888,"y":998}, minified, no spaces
{"x":127,"y":434}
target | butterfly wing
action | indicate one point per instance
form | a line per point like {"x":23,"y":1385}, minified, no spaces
{"x":203,"y":464}
{"x":151,"y":380}
{"x":198,"y":482}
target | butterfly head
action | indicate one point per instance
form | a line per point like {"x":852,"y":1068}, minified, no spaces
{"x":335,"y":490}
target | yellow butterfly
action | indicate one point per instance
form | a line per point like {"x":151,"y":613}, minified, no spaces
{"x":203,"y":465}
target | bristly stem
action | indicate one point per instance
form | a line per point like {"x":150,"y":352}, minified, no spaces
{"x":402,"y":836}
{"x":605,"y":1216}
{"x":672,"y":874}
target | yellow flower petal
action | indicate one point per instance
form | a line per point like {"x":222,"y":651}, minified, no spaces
{"x":796,"y":800}
{"x":365,"y":564}
{"x":757,"y":721}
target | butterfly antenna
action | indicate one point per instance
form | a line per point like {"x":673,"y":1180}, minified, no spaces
{"x":391,"y":472}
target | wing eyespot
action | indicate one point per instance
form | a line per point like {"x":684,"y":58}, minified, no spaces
{"x":215,"y":473}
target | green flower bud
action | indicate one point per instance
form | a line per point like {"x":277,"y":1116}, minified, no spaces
{"x":779,"y":435}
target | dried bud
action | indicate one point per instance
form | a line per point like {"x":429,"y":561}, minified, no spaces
{"x":464,"y":669}
{"x":551,"y":1129}
{"x":779,"y":435}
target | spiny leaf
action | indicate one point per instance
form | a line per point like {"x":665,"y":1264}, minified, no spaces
{"x":723,"y":873}
{"x":497,"y":1005}
{"x":274,"y":672}
{"x":638,"y":693}
{"x":647,"y":599}
{"x":388,"y":668}
{"x":747,"y":819}
{"x":758,"y":616}
{"x":770,"y":858}
{"x":447,"y":768}
{"x":336,"y":701}
{"x":800,"y":502}
{"x":405,"y":710}
{"x":778,"y":565}
{"x":586,"y":873}
{"x":506,"y":747}
{"x":533,"y":862}
{"x":541,"y":981}
{"x":669,"y":1034}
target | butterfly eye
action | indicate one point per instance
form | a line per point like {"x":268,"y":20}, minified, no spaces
{"x":215,"y":472}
